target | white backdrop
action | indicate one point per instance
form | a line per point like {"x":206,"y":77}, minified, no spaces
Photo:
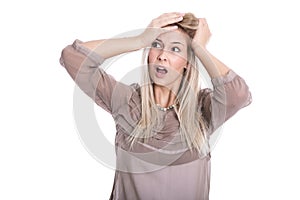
{"x":41,"y":154}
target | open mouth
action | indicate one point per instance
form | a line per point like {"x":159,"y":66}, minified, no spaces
{"x":160,"y":69}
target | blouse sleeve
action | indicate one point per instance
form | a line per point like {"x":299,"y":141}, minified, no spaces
{"x":230,"y":93}
{"x":83,"y":66}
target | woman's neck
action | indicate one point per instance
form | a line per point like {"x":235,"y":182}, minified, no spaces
{"x":164,"y":96}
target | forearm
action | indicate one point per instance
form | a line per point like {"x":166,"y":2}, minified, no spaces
{"x":213,"y":66}
{"x":111,"y":47}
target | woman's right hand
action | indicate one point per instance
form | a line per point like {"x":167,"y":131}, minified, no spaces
{"x":160,"y":25}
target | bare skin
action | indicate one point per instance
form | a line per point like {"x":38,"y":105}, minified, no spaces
{"x":213,"y":66}
{"x":167,"y":60}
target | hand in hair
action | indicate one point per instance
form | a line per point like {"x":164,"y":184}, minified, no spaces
{"x":160,"y":25}
{"x":202,"y":34}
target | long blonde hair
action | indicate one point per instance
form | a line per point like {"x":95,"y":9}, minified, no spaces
{"x":193,"y":127}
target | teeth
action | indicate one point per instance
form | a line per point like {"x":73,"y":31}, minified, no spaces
{"x":161,"y":69}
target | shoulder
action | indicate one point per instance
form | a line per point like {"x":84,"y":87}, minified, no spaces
{"x":127,"y":104}
{"x":125,"y":96}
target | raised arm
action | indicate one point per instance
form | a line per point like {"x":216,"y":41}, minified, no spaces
{"x":82,"y":59}
{"x":230,"y":93}
{"x":112,"y":47}
{"x":213,"y":66}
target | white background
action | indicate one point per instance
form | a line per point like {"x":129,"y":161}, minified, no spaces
{"x":41,"y":154}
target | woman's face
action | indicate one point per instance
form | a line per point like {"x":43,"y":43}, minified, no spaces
{"x":168,"y":57}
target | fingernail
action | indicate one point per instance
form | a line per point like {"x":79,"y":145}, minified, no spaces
{"x":173,"y":27}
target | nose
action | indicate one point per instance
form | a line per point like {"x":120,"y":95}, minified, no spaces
{"x":162,"y":56}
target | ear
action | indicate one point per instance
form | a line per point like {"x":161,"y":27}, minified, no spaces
{"x":187,"y":68}
{"x":187,"y":65}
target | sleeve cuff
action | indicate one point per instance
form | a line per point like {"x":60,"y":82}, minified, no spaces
{"x":221,"y":80}
{"x":96,"y":58}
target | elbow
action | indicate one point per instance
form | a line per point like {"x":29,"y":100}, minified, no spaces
{"x":72,"y":60}
{"x":247,"y":99}
{"x":67,"y":56}
{"x":243,"y":99}
{"x":77,"y":53}
{"x":246,"y":96}
{"x":63,"y":57}
{"x":243,"y":96}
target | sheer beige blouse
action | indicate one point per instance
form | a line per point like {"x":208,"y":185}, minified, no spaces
{"x":162,"y":168}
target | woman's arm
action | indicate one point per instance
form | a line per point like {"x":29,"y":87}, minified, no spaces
{"x":230,"y":93}
{"x":82,"y":60}
{"x":213,"y":66}
{"x":112,"y":47}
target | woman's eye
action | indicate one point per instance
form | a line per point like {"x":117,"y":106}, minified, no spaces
{"x":156,"y":45}
{"x":175,"y":49}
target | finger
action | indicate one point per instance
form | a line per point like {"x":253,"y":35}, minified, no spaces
{"x":203,"y":21}
{"x":167,"y":16}
{"x":170,"y":28}
{"x":172,"y":14}
{"x":166,"y":19}
{"x":169,"y":20}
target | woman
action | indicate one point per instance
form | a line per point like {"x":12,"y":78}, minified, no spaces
{"x":164,"y":124}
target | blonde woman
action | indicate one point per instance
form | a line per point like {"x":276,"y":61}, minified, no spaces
{"x":164,"y":123}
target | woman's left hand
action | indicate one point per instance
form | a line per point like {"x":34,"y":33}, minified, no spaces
{"x":202,"y":34}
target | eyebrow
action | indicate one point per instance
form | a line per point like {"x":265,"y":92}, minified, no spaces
{"x":176,"y":43}
{"x":171,"y":42}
